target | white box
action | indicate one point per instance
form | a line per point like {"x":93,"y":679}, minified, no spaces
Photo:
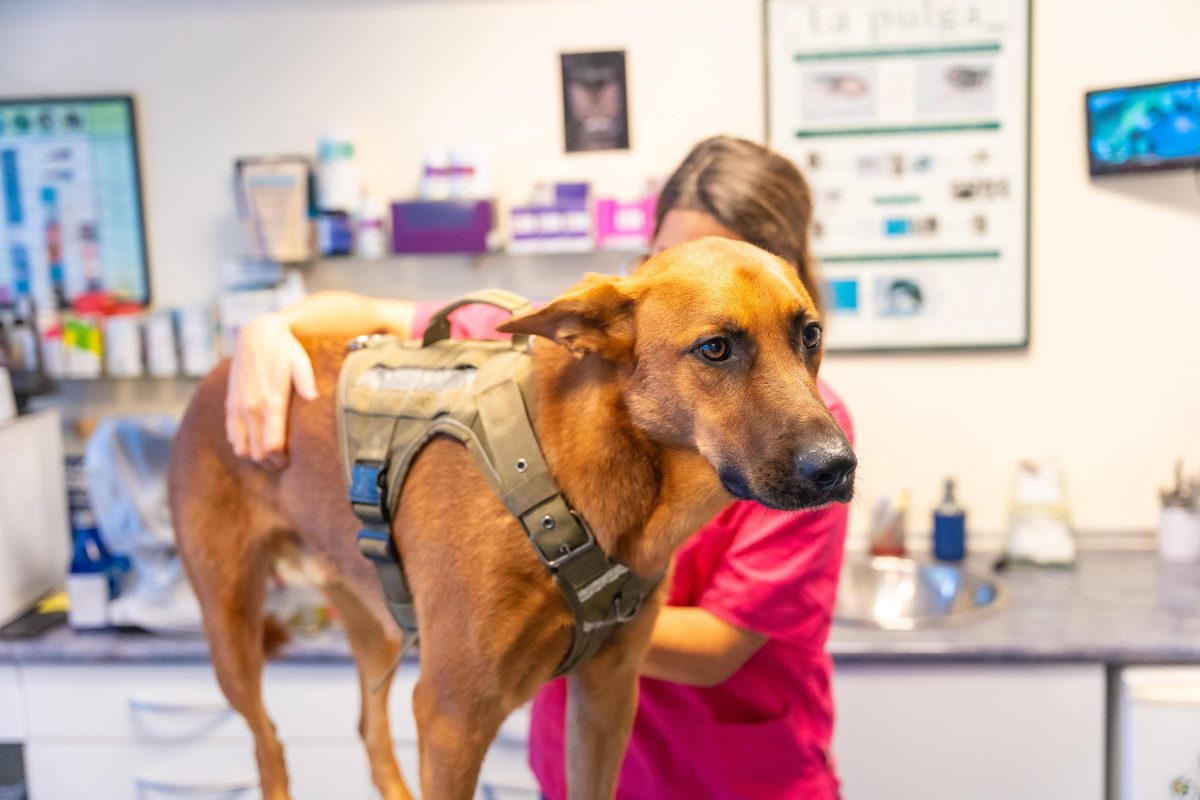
{"x":35,"y":540}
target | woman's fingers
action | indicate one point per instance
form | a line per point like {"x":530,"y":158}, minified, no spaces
{"x":274,"y":427}
{"x":268,"y":362}
{"x":235,"y":432}
{"x":302,"y":374}
{"x":254,"y":434}
{"x":275,"y":440}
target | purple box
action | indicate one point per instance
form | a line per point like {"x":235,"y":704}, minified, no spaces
{"x":563,"y":226}
{"x":571,"y":195}
{"x":441,"y":226}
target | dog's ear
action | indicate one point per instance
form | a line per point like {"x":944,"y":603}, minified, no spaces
{"x":593,"y":316}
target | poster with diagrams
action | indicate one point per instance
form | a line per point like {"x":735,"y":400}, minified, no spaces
{"x":909,"y":119}
{"x":70,"y":202}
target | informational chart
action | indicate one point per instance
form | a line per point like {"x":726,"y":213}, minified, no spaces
{"x":70,"y":201}
{"x":910,"y":120}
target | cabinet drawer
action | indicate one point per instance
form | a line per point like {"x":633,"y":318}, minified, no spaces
{"x":12,"y":717}
{"x":181,"y":702}
{"x":70,"y":771}
{"x":505,"y":774}
{"x":978,"y":731}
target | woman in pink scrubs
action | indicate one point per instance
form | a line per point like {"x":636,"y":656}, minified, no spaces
{"x":735,"y":697}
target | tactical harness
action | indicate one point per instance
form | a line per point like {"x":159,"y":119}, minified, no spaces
{"x":394,"y":396}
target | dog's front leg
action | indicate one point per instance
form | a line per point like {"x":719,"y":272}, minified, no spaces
{"x":456,"y":723}
{"x":601,"y":703}
{"x":600,"y":710}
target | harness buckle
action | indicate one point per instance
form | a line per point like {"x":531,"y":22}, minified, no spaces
{"x":620,"y":616}
{"x":568,"y":553}
{"x":368,"y":485}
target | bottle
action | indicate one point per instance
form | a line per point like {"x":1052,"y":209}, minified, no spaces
{"x":88,"y":588}
{"x":1039,"y":528}
{"x":949,"y":528}
{"x":338,"y":181}
{"x":887,"y":528}
{"x":435,"y":175}
{"x":23,"y":340}
{"x":369,"y":238}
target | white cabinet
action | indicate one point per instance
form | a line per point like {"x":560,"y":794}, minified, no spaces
{"x":102,"y":702}
{"x":136,"y":731}
{"x":12,"y":714}
{"x":182,"y":702}
{"x":150,"y":731}
{"x":1156,"y":750}
{"x":135,"y":771}
{"x":35,"y":540}
{"x":985,"y":732}
{"x":505,"y":774}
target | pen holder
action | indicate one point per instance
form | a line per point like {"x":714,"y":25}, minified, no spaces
{"x":1179,"y":535}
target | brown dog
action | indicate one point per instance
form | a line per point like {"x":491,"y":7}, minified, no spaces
{"x":670,"y":390}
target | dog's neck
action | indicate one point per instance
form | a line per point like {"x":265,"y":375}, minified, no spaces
{"x":641,"y":499}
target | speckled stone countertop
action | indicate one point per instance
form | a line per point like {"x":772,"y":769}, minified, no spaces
{"x":64,"y":645}
{"x":1114,"y":607}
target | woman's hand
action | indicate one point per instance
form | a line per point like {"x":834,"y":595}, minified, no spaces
{"x":695,"y":647}
{"x":268,"y":362}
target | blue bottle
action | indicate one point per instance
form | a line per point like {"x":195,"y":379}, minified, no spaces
{"x":949,"y":528}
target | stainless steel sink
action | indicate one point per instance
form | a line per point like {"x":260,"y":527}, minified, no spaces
{"x":901,"y":594}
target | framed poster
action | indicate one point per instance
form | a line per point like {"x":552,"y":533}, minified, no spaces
{"x":910,"y":119}
{"x":71,"y":219}
{"x":595,"y":104}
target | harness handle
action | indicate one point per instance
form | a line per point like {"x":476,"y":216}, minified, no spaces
{"x":439,"y":324}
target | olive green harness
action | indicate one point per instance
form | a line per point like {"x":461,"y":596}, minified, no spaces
{"x":394,"y":396}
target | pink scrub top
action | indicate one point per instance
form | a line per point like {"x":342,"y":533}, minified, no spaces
{"x":766,"y":731}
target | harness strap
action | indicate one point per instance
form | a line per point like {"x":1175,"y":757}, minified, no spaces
{"x":439,"y":324}
{"x":377,"y":546}
{"x":368,"y":481}
{"x":600,"y":592}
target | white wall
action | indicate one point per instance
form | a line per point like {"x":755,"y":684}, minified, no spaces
{"x":1109,"y":387}
{"x":218,"y":79}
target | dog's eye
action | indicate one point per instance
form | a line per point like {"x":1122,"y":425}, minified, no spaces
{"x":812,"y":335}
{"x":716,"y":349}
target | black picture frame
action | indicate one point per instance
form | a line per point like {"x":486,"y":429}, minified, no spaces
{"x":595,"y":101}
{"x":139,"y":184}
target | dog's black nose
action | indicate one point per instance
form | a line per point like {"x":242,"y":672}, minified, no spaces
{"x":827,"y":468}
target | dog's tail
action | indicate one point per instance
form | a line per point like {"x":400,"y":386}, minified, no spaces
{"x":275,"y":636}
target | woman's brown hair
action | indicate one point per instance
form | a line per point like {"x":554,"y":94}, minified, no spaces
{"x":754,"y":192}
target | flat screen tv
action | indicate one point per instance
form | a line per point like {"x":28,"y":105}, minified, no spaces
{"x":71,"y":217}
{"x":1144,"y":128}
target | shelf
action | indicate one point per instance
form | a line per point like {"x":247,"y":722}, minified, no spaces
{"x":538,"y":276}
{"x":497,"y":256}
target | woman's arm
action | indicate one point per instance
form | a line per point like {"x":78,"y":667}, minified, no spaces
{"x":348,"y":314}
{"x":694,"y":647}
{"x":269,"y":360}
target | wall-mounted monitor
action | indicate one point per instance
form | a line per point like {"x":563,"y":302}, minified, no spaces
{"x":1144,"y":128}
{"x":71,"y":217}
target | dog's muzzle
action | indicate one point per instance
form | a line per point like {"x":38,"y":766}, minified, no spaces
{"x":827,"y":469}
{"x":815,"y":477}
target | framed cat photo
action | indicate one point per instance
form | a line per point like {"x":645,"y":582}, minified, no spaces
{"x":595,"y":101}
